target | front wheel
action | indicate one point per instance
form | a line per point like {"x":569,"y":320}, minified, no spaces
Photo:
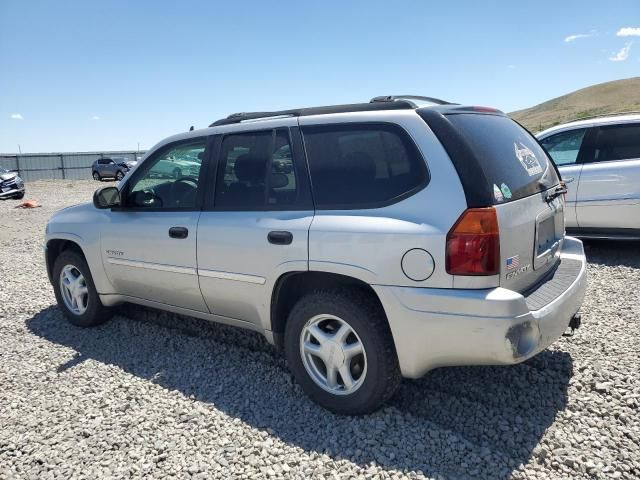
{"x":20,"y":196}
{"x":96,"y":176}
{"x":339,"y":348}
{"x":75,"y":292}
{"x":119,"y":175}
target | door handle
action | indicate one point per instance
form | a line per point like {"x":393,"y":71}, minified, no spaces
{"x":280,"y":238}
{"x":568,"y":179}
{"x":178,"y":232}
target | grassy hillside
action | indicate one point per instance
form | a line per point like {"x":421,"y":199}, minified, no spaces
{"x":609,"y":97}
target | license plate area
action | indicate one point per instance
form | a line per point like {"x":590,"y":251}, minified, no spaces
{"x":549,"y":233}
{"x":546,"y":236}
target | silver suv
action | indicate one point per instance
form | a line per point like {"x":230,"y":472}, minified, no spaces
{"x":370,"y":241}
{"x":599,"y":159}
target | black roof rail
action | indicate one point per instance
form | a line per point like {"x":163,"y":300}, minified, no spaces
{"x":399,"y":104}
{"x":409,"y":98}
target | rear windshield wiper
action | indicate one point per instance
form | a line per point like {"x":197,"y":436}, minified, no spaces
{"x":556,"y":192}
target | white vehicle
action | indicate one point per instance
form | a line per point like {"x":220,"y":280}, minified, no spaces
{"x":599,"y":159}
{"x":403,"y":238}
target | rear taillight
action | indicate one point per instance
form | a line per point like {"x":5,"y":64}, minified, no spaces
{"x":473,"y":244}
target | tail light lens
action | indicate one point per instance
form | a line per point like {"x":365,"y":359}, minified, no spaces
{"x":473,"y":244}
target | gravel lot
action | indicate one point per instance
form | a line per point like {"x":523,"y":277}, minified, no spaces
{"x":156,"y":395}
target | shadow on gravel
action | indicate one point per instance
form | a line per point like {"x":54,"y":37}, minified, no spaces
{"x":465,"y":422}
{"x":613,"y":252}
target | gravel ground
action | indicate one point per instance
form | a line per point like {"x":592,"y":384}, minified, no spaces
{"x":156,"y":395}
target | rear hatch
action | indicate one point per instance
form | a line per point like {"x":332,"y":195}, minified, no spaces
{"x":511,"y":172}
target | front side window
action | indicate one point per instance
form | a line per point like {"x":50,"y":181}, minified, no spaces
{"x":256,"y":172}
{"x":362,"y":165}
{"x":617,"y":142}
{"x":168,"y":179}
{"x":564,"y":147}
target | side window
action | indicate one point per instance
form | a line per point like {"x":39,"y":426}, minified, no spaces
{"x":256,"y":172}
{"x":362,"y":165}
{"x":564,"y":147}
{"x":617,"y":142}
{"x":168,"y":179}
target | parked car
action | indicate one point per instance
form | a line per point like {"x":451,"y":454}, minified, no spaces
{"x":11,"y":185}
{"x":114,"y":167}
{"x":406,"y":238}
{"x":599,"y":159}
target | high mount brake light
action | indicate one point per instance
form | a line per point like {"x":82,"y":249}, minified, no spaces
{"x":473,"y":244}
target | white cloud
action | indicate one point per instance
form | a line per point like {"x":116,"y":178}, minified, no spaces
{"x":571,"y":38}
{"x":96,"y":117}
{"x":629,"y":32}
{"x":17,"y":116}
{"x":622,"y":55}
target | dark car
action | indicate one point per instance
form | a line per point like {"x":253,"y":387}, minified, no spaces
{"x":11,"y":185}
{"x":114,"y":167}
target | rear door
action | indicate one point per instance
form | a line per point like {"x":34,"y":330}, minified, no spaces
{"x":255,"y":226}
{"x":520,"y":177}
{"x":609,"y":191}
{"x":565,"y":149}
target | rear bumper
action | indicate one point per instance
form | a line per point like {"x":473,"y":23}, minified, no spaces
{"x":445,"y":327}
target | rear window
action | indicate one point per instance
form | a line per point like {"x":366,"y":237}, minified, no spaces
{"x":362,"y":165}
{"x":513,"y":162}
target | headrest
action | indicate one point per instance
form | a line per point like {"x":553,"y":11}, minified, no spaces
{"x":250,"y":169}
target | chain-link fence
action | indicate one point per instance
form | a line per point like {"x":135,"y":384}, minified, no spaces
{"x":71,"y":165}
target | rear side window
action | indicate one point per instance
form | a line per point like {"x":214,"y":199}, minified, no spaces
{"x":356,"y":166}
{"x":512,"y":161}
{"x":618,"y":142}
{"x":564,"y":147}
{"x":256,"y":172}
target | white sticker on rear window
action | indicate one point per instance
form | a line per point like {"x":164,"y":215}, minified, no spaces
{"x":497,"y":193}
{"x":528,"y":159}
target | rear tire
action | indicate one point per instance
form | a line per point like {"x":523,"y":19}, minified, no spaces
{"x":20,"y":196}
{"x":96,"y":176}
{"x":374,"y":373}
{"x":78,"y":300}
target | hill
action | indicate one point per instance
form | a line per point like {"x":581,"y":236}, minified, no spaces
{"x":609,"y":97}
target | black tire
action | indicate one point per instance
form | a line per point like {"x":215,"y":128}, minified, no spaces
{"x":96,"y":177}
{"x":20,"y":196}
{"x":368,"y":321}
{"x":119,"y":175}
{"x":96,"y":313}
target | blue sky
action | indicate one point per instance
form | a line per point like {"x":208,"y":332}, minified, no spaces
{"x":92,"y":75}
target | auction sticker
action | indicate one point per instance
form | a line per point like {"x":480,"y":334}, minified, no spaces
{"x":527,"y":159}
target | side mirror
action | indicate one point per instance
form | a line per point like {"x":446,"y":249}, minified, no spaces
{"x":106,"y":197}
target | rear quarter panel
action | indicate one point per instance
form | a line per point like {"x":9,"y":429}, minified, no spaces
{"x":369,"y":244}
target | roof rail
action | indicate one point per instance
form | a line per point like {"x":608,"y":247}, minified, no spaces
{"x":611,"y":114}
{"x":399,"y":104}
{"x":410,"y":98}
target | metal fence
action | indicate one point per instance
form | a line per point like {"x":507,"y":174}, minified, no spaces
{"x":70,"y":165}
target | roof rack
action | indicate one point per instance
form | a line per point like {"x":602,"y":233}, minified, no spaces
{"x":410,"y":98}
{"x":390,"y":102}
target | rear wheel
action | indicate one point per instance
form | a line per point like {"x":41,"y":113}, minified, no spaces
{"x":75,"y":292}
{"x":20,"y":196}
{"x":339,"y":347}
{"x":96,"y":176}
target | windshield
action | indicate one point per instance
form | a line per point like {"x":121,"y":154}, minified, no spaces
{"x":2,"y":170}
{"x":512,"y":160}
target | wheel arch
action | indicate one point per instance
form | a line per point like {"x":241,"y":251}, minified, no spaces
{"x":55,"y":246}
{"x":292,"y":286}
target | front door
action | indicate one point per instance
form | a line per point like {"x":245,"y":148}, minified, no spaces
{"x":149,"y":246}
{"x":256,"y":225}
{"x":564,"y":148}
